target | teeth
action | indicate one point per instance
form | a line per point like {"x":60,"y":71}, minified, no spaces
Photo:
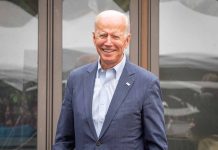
{"x":107,"y":50}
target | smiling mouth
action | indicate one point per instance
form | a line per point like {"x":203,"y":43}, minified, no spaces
{"x":108,"y":50}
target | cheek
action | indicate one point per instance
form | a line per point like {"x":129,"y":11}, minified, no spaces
{"x":98,"y":44}
{"x":121,"y":48}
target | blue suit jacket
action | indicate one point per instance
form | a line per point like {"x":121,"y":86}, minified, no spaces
{"x":134,"y":121}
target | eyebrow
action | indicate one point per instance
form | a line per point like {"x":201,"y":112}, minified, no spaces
{"x":113,"y":33}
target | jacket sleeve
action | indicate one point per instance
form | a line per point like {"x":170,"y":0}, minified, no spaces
{"x":153,"y":119}
{"x":65,"y":135}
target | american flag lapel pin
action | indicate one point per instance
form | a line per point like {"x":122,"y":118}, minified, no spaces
{"x":127,"y":83}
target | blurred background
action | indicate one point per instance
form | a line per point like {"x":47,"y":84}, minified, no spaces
{"x":187,"y":64}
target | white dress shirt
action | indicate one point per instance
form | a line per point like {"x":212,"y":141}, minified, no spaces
{"x":105,"y":85}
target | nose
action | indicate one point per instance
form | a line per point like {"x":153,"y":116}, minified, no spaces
{"x":108,"y":40}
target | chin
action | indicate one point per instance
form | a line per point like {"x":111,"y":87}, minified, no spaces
{"x":109,"y":61}
{"x":107,"y":58}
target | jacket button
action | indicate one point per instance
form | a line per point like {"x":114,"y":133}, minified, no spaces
{"x":98,"y":143}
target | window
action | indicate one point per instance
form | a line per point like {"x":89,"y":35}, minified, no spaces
{"x":78,"y":25}
{"x":189,"y":73}
{"x":18,"y":74}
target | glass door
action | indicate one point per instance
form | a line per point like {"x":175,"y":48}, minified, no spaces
{"x":189,"y":72}
{"x":18,"y":74}
{"x":78,"y":25}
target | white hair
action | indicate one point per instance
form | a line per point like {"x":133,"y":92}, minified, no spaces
{"x":112,"y":13}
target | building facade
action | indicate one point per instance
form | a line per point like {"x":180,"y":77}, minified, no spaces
{"x":41,"y":41}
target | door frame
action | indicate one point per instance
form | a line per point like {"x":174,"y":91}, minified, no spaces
{"x":144,"y":48}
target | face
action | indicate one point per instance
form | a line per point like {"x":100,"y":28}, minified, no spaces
{"x":110,"y":39}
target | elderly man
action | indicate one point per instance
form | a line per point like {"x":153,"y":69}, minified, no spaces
{"x":111,"y":104}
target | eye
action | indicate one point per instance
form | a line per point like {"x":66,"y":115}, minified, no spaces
{"x":102,"y":35}
{"x":115,"y":37}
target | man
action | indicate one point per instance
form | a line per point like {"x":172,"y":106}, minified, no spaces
{"x":111,"y":104}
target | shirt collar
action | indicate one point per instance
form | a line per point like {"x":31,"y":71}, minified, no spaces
{"x":118,"y":68}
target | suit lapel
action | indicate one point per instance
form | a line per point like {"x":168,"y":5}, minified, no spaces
{"x":124,"y":85}
{"x":88,"y":84}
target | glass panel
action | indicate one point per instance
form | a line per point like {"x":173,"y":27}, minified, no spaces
{"x":189,"y":72}
{"x":18,"y":74}
{"x":78,"y":25}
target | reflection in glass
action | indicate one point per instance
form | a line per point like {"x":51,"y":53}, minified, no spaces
{"x":78,"y":25}
{"x":189,"y":72}
{"x":18,"y":74}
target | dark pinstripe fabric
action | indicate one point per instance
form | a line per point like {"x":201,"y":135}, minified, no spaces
{"x":134,"y":121}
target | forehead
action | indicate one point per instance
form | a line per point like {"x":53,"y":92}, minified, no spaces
{"x":111,"y":23}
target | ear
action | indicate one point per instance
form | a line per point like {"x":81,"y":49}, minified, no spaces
{"x":93,"y":37}
{"x":127,"y":42}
